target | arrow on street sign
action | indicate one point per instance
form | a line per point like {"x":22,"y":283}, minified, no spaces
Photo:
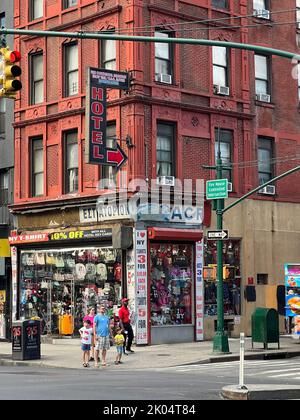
{"x":217,"y":234}
{"x":116,"y":157}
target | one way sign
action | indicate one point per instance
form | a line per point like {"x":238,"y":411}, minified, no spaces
{"x":217,"y":234}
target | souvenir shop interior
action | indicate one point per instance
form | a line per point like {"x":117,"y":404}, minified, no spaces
{"x":171,"y":287}
{"x":231,"y":278}
{"x":59,"y":285}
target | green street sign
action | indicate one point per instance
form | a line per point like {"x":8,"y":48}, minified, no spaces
{"x":216,"y":189}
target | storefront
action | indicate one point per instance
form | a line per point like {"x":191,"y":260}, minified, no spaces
{"x":5,"y":289}
{"x":64,"y":274}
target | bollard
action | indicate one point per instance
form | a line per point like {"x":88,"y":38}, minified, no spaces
{"x":242,"y":353}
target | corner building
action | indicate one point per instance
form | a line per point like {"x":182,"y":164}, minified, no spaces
{"x":180,"y":99}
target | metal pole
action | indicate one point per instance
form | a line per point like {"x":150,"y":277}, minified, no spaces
{"x":220,"y":344}
{"x":191,"y":41}
{"x":242,"y":355}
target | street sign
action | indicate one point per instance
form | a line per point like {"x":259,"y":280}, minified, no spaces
{"x":96,"y":150}
{"x":217,"y":234}
{"x":217,"y":189}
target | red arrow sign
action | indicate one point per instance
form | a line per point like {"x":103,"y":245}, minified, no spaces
{"x":116,"y":157}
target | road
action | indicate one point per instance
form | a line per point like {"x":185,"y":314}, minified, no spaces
{"x":192,"y":382}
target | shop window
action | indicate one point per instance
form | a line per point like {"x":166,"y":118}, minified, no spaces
{"x":231,"y":278}
{"x":71,"y":86}
{"x":59,"y":285}
{"x":108,"y":53}
{"x":262,"y":278}
{"x":171,"y":284}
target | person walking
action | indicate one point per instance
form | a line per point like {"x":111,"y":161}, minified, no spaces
{"x":102,"y":330}
{"x":90,"y":316}
{"x":125,"y":324}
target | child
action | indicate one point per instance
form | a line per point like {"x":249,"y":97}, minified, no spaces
{"x":119,"y":341}
{"x":86,"y":333}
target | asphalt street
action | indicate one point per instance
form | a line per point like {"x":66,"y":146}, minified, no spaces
{"x":191,"y":382}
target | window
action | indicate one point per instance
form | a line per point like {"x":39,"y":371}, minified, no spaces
{"x":37,"y":167}
{"x":2,"y":20}
{"x":71,"y":69}
{"x":36,"y":9}
{"x":163,"y":58}
{"x":165,"y":150}
{"x":220,"y":66}
{"x":226,"y":150}
{"x":265,"y":156}
{"x":3,"y":188}
{"x":69,"y":3}
{"x":37,"y":79}
{"x":298,"y":13}
{"x":298,"y":82}
{"x":108,"y":53}
{"x":109,"y":172}
{"x":260,"y":5}
{"x":2,"y":115}
{"x":262,"y":83}
{"x":71,"y":162}
{"x":262,"y":278}
{"x":220,"y":4}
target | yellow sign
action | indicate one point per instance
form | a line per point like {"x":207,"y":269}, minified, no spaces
{"x":4,"y":248}
{"x":2,"y":296}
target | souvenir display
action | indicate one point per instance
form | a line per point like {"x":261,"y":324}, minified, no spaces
{"x":231,"y":278}
{"x":58,"y":286}
{"x":171,"y":284}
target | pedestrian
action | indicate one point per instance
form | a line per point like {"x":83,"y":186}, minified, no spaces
{"x":86,"y":334}
{"x":119,"y":342}
{"x":91,"y":316}
{"x":102,"y":330}
{"x":125,"y":324}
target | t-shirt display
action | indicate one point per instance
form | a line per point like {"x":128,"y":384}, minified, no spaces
{"x":171,"y":284}
{"x":57,"y":282}
{"x":231,"y":278}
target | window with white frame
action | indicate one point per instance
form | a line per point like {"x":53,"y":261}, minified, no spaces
{"x":260,"y":5}
{"x":298,"y":13}
{"x":165,"y":165}
{"x":71,"y":162}
{"x":265,"y":159}
{"x":3,"y":188}
{"x":163,"y":57}
{"x":108,"y":53}
{"x":36,"y":9}
{"x":262,"y":74}
{"x":2,"y":20}
{"x":2,"y":115}
{"x":36,"y":79}
{"x":37,"y":167}
{"x":71,"y":76}
{"x":69,"y":3}
{"x":225,"y":149}
{"x":220,"y":66}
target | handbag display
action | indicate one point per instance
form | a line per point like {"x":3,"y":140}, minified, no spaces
{"x":39,"y":258}
{"x":50,"y":260}
{"x":59,"y":261}
{"x":80,"y":271}
{"x":30,"y":259}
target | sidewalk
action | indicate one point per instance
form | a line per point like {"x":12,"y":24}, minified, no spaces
{"x":66,"y":353}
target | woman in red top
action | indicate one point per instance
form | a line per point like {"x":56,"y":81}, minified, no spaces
{"x":90,"y":316}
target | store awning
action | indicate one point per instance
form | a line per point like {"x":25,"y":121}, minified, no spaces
{"x":175,"y":234}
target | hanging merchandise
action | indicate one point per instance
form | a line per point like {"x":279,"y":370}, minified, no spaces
{"x":80,"y":271}
{"x":66,"y":324}
{"x":102,"y":271}
{"x":39,"y":258}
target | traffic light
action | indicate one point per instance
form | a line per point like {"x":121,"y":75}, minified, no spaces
{"x":9,"y":70}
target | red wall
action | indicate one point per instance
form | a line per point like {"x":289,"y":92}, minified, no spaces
{"x":190,"y":102}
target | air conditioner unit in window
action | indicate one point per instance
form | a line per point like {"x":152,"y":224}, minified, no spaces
{"x":263,"y":97}
{"x":269,"y":190}
{"x":229,"y":189}
{"x":221,"y":90}
{"x":163,"y":78}
{"x":166,"y":181}
{"x":262,"y":14}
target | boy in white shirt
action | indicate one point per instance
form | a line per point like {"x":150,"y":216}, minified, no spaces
{"x":86,"y":333}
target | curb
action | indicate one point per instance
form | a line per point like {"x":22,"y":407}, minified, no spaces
{"x":261,"y":392}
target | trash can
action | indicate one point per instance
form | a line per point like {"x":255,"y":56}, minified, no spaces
{"x":265,"y":326}
{"x":26,"y":340}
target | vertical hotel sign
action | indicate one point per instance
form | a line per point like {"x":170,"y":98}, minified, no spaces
{"x":199,"y":291}
{"x":95,"y":147}
{"x":141,"y":286}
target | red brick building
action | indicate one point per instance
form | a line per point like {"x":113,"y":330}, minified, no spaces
{"x":178,"y":98}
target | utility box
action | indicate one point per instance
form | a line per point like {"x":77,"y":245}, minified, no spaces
{"x":26,"y":340}
{"x":265,"y":326}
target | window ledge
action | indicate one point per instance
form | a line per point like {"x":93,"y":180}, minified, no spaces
{"x":264,"y":104}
